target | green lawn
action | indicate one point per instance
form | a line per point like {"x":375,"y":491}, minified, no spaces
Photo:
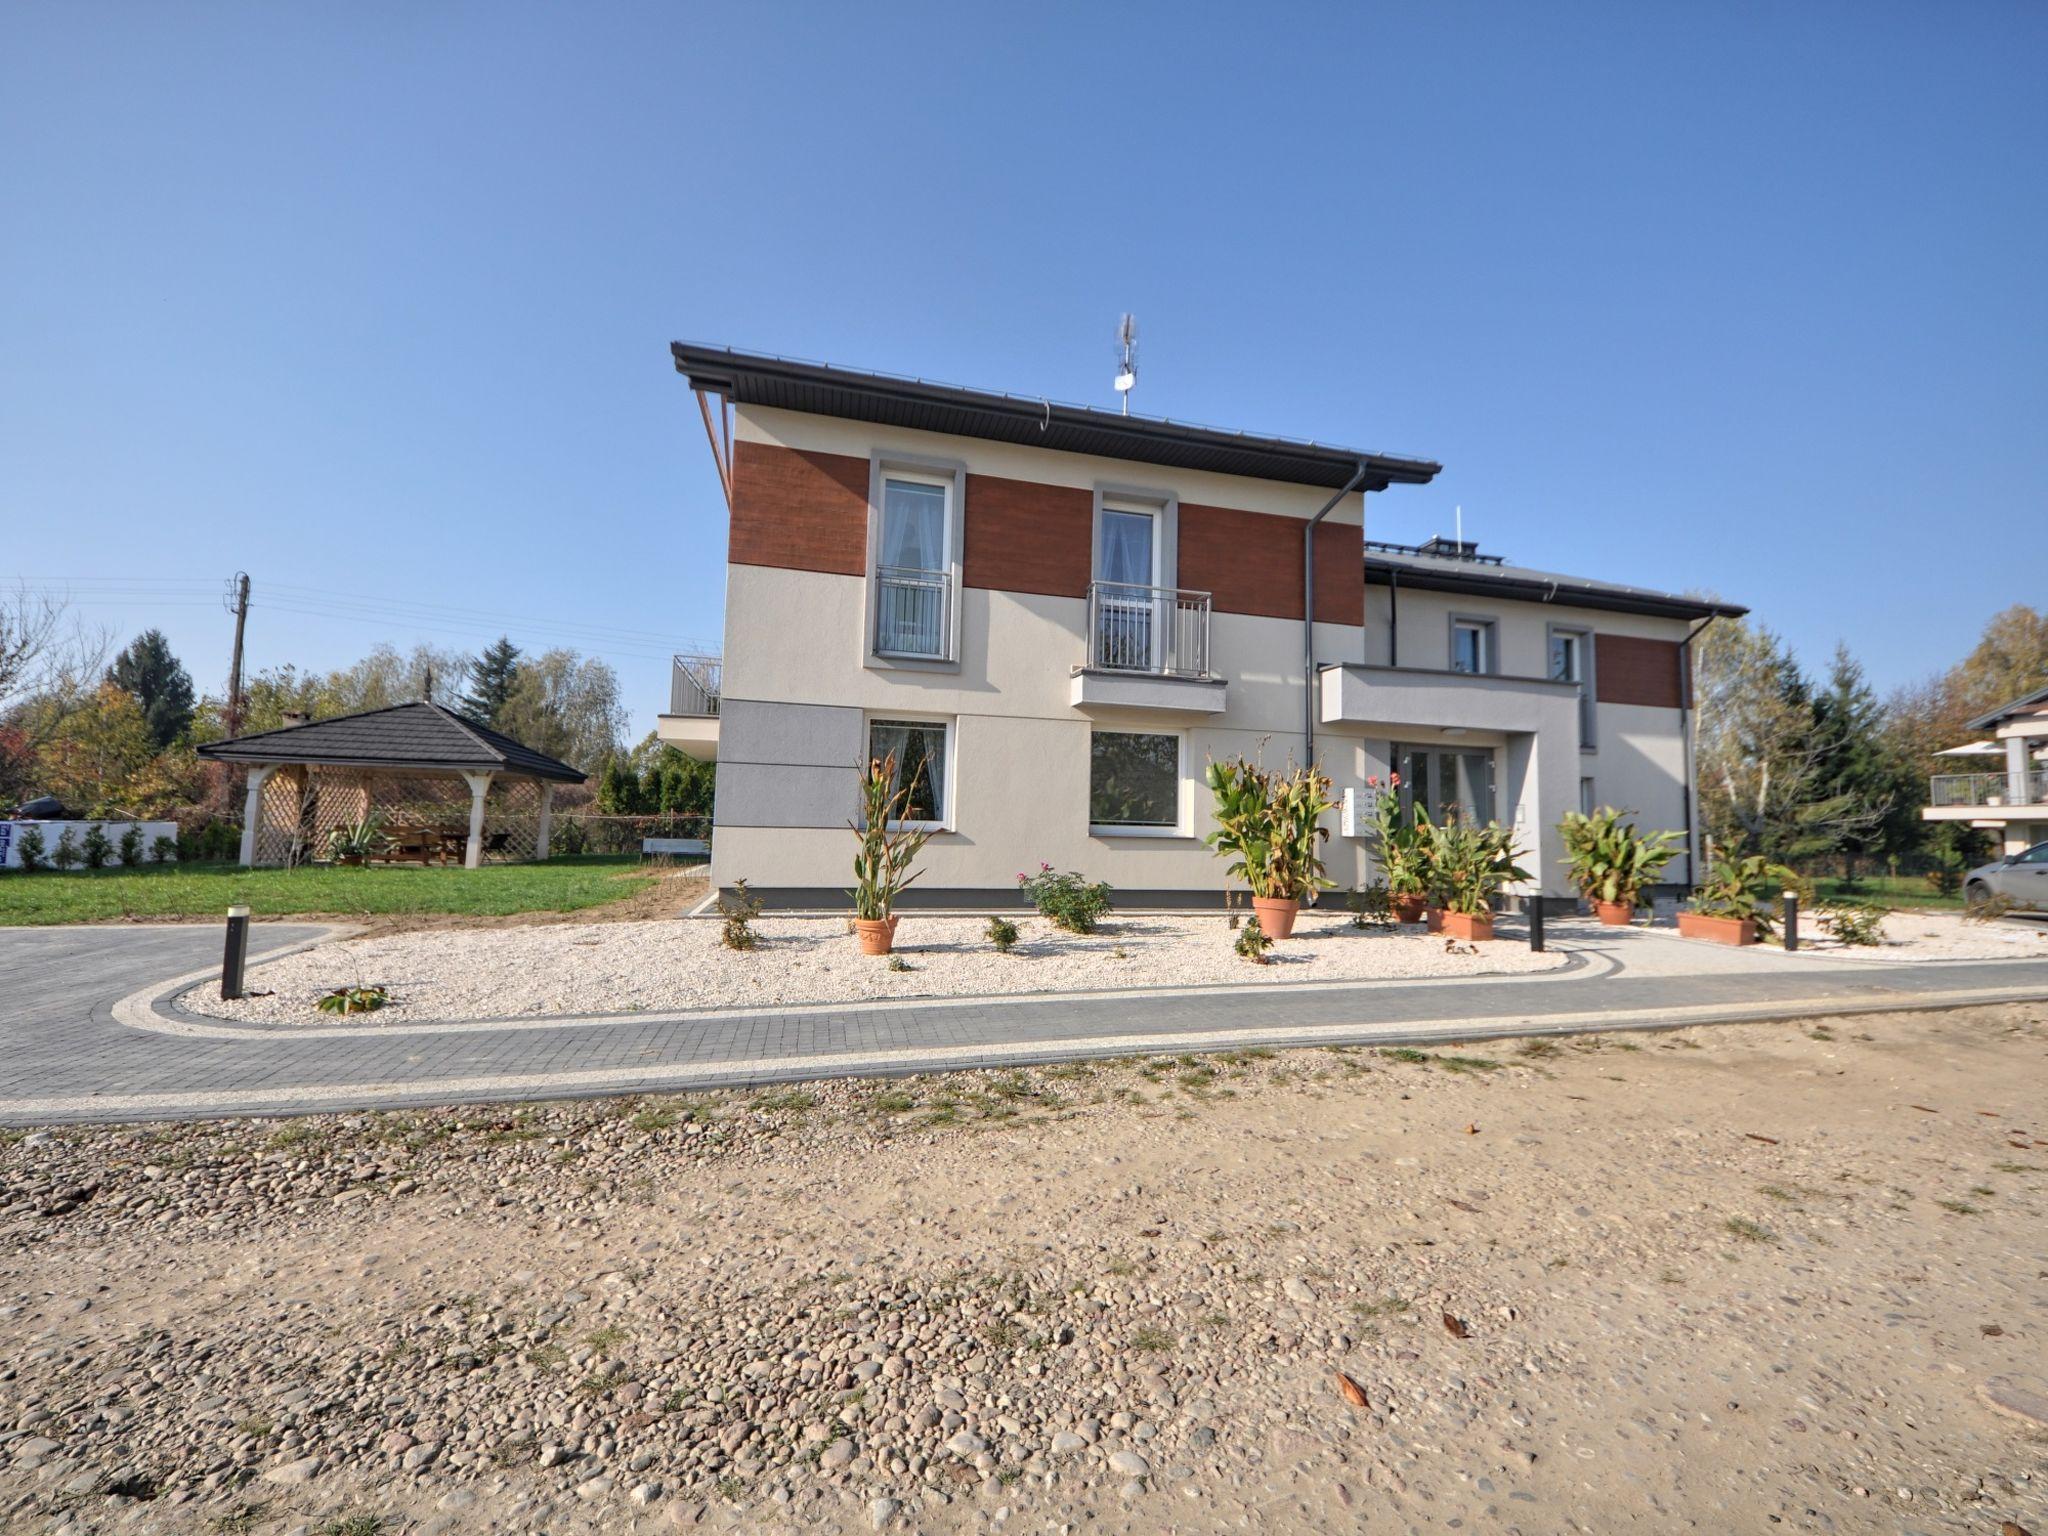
{"x":205,"y":890}
{"x":1884,"y":891}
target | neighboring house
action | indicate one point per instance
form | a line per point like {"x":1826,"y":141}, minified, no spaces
{"x":1054,"y":616}
{"x":2009,"y":795}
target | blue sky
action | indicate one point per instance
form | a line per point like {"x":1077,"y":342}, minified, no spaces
{"x":373,"y":301}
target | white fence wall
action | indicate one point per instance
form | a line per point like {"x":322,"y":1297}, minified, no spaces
{"x":11,"y":834}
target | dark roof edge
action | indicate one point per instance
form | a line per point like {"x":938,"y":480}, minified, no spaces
{"x":717,"y":369}
{"x":1998,"y":714}
{"x":221,"y":752}
{"x":1480,"y":583}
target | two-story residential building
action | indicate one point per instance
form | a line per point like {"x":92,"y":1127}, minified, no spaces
{"x":2007,"y":795}
{"x":1054,"y":616}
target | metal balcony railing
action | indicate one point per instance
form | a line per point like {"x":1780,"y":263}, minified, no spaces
{"x":1148,"y":629}
{"x":913,"y":612}
{"x":1986,"y":789}
{"x":693,"y":685}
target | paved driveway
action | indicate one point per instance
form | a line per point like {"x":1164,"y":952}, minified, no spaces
{"x":68,"y":1054}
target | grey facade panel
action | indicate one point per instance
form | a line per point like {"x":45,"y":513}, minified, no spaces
{"x":781,"y":795}
{"x":802,"y":735}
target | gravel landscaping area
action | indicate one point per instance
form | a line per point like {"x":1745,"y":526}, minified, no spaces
{"x":1933,"y":936}
{"x":1731,"y":1279}
{"x":681,"y":964}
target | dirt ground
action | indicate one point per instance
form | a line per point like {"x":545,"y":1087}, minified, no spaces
{"x":1726,"y":1279}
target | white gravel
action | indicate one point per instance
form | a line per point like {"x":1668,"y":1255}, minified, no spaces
{"x":1933,"y":936}
{"x":675,"y":964}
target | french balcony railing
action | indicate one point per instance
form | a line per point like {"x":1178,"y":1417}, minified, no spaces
{"x":913,"y":612}
{"x":1986,"y":789}
{"x":1156,"y":630}
{"x":693,"y":685}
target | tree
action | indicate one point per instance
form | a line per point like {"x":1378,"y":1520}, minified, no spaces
{"x":94,"y":753}
{"x":1761,"y":755}
{"x":2009,"y":661}
{"x":160,"y":684}
{"x":491,"y":677}
{"x":672,"y":783}
{"x":1856,"y":763}
{"x":567,"y":706}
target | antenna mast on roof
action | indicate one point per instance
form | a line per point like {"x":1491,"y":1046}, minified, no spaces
{"x":1126,"y":357}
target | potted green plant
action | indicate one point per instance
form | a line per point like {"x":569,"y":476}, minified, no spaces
{"x":1270,"y":825}
{"x":881,"y":865}
{"x":1611,"y":861}
{"x":1732,"y":905}
{"x":1469,"y":867}
{"x":1402,"y":848}
{"x":357,"y":841}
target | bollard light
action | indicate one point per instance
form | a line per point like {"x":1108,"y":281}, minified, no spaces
{"x":236,"y":956}
{"x":1791,"y":920}
{"x":1535,"y":924}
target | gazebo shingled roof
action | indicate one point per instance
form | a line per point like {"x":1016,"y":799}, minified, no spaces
{"x":417,"y":735}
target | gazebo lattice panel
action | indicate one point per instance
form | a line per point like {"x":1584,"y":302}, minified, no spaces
{"x":302,"y":805}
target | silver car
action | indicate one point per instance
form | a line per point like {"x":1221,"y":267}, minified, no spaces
{"x":2023,"y":877}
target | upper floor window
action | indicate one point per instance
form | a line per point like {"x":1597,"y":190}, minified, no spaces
{"x":1471,"y":645}
{"x":914,"y":565}
{"x":1569,"y":664}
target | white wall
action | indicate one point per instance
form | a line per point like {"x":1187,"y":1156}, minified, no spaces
{"x":11,"y":833}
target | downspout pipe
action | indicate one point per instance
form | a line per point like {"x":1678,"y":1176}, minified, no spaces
{"x":1689,"y":713}
{"x":1308,"y":612}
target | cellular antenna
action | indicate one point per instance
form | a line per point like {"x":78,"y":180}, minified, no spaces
{"x":1126,"y":358}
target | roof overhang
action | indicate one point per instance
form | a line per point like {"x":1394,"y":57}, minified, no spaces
{"x":1479,"y":581}
{"x":819,"y":389}
{"x":2034,"y":703}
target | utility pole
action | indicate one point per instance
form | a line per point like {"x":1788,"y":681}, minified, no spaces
{"x":238,"y":605}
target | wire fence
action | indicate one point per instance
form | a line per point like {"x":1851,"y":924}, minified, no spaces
{"x":578,"y":833}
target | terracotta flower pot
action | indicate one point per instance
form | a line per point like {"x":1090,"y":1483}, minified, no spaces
{"x":1434,"y":917}
{"x":1409,"y":909}
{"x":1718,"y":930}
{"x":1474,"y":927}
{"x":1276,"y":915}
{"x":1615,"y":914}
{"x":877,"y":935}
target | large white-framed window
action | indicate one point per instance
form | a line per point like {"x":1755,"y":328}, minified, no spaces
{"x":1473,"y":645}
{"x":1137,"y":783}
{"x":920,"y":747}
{"x":1132,"y":572}
{"x":915,"y":528}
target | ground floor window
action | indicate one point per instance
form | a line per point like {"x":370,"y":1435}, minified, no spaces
{"x":1446,"y":783}
{"x":1134,"y":781}
{"x":919,"y":749}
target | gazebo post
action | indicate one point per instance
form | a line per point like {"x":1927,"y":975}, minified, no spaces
{"x":479,"y":786}
{"x":547,"y":821}
{"x":252,"y":811}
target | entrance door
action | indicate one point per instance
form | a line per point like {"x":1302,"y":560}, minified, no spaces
{"x":1126,"y":630}
{"x":1447,"y":782}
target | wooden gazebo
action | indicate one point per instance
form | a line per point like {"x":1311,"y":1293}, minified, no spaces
{"x":438,"y":785}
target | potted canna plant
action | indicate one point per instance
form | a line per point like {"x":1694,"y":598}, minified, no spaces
{"x":881,"y":865}
{"x":1611,"y":861}
{"x":1402,"y":848}
{"x":1469,"y":867}
{"x":1732,"y":905}
{"x":1270,"y":824}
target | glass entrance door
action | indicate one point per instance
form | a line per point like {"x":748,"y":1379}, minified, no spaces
{"x":1447,"y":783}
{"x":1126,"y":630}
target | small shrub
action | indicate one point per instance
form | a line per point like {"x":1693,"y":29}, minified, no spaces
{"x":1068,"y":901}
{"x":163,"y":850}
{"x":1988,"y":909}
{"x":34,"y":854}
{"x":98,"y":848}
{"x":131,"y":844}
{"x":1252,"y":942}
{"x":1855,"y":923}
{"x":347,"y":1000}
{"x":1372,"y":906}
{"x":1947,"y":874}
{"x":1002,"y":933}
{"x":898,"y":963}
{"x":739,"y":907}
{"x":65,"y":854}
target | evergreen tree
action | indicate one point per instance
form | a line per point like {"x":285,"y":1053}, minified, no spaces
{"x":1855,"y":762}
{"x":160,"y":684}
{"x":491,"y":678}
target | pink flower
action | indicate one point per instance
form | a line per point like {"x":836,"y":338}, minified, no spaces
{"x":1372,"y":781}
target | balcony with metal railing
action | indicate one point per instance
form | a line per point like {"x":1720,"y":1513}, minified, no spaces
{"x":695,"y":684}
{"x":1148,"y":648}
{"x":913,"y":613}
{"x":1949,"y":791}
